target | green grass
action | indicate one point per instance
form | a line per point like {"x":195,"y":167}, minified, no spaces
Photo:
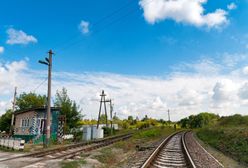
{"x":231,"y":141}
{"x":73,"y":164}
{"x":107,"y":156}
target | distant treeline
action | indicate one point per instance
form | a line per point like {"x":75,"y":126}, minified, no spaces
{"x":210,"y":119}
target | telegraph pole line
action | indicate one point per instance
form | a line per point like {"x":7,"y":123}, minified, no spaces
{"x":13,"y":110}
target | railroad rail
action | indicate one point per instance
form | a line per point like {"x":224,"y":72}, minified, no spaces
{"x":171,"y":153}
{"x":72,"y":150}
{"x":71,"y":153}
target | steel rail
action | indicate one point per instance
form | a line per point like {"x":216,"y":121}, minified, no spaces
{"x":154,"y":155}
{"x":77,"y":152}
{"x":68,"y":147}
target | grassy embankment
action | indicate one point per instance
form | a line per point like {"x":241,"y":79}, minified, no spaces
{"x":229,"y":135}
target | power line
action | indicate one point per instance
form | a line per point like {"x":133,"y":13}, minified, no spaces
{"x":131,"y":11}
{"x":40,"y":85}
{"x":77,"y":35}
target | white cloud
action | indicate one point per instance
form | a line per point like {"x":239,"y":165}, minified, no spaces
{"x":183,"y":11}
{"x":84,"y":27}
{"x":245,"y":70}
{"x":184,"y":92}
{"x":232,"y":6}
{"x":1,"y":49}
{"x":224,"y":91}
{"x":243,"y":92}
{"x":19,"y":37}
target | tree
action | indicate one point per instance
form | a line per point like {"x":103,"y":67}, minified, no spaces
{"x":102,"y":119}
{"x":30,"y":100}
{"x":69,"y":108}
{"x":145,"y":118}
{"x":199,"y":120}
{"x":5,"y":121}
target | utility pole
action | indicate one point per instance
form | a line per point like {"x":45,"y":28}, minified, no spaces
{"x":13,"y":110}
{"x":111,"y":116}
{"x":103,"y":100}
{"x":48,"y":62}
{"x":169,"y":115}
{"x":49,"y":96}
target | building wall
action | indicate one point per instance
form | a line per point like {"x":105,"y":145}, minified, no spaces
{"x":24,"y":123}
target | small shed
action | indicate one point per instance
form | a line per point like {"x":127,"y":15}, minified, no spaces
{"x":30,"y":124}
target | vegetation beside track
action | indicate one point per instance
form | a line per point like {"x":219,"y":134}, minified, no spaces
{"x":73,"y":164}
{"x":227,"y":134}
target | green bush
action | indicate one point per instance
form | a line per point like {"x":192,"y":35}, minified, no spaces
{"x":232,"y":141}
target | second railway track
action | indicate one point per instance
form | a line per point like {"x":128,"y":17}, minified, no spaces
{"x":37,"y":159}
{"x":171,"y":153}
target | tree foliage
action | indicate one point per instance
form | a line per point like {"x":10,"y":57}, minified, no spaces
{"x":69,"y":108}
{"x":30,"y":100}
{"x":199,"y":121}
{"x":5,"y":121}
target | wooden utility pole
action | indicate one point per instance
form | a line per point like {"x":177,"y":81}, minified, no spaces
{"x":111,"y":116}
{"x":13,"y":110}
{"x":103,"y":100}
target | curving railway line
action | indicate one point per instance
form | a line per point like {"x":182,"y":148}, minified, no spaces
{"x":171,"y":153}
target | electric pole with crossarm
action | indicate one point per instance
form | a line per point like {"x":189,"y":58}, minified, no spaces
{"x":48,"y":62}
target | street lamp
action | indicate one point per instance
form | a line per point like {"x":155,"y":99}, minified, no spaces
{"x":48,"y":62}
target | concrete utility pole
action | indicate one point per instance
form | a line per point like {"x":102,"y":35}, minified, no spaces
{"x":168,"y":115}
{"x":48,"y":62}
{"x":13,"y":110}
{"x":103,"y":100}
{"x":49,"y":96}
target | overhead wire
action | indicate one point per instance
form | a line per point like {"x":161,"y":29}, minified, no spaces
{"x":102,"y":19}
{"x":42,"y":82}
{"x":130,"y":12}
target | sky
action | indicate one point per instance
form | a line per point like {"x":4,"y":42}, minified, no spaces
{"x":149,"y":56}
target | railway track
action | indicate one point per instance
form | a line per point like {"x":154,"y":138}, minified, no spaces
{"x":171,"y":153}
{"x":73,"y":152}
{"x":38,"y":159}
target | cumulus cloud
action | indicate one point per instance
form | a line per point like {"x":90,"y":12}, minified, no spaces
{"x":84,"y":27}
{"x":232,"y":6}
{"x":1,"y":49}
{"x":184,"y":92}
{"x":183,"y":11}
{"x":243,"y":92}
{"x":19,"y":37}
{"x":224,"y":91}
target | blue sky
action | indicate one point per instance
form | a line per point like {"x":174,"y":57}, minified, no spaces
{"x":177,"y":45}
{"x":129,"y":46}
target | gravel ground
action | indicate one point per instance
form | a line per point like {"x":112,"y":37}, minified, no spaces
{"x":201,"y":158}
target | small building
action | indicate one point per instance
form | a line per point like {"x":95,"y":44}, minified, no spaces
{"x":30,"y":124}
